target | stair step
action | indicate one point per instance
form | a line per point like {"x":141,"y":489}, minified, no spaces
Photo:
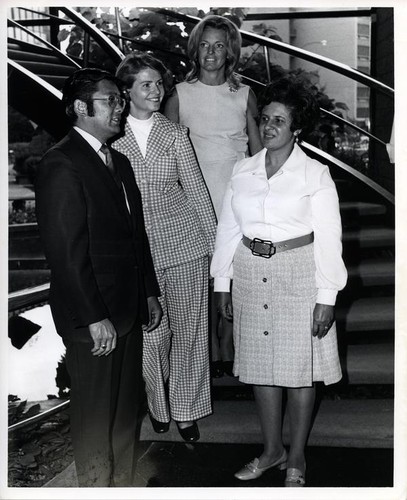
{"x":54,"y":80}
{"x":369,"y":237}
{"x":360,"y":208}
{"x":369,"y":364}
{"x":372,"y":272}
{"x":340,"y":423}
{"x":361,"y":365}
{"x":54,"y":68}
{"x":23,"y":55}
{"x":366,"y":314}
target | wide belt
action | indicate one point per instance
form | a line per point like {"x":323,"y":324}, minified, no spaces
{"x":266,"y":248}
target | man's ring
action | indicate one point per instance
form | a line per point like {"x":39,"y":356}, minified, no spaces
{"x":103,"y":346}
{"x":326,"y":327}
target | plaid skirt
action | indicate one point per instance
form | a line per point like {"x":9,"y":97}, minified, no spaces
{"x":273,"y":303}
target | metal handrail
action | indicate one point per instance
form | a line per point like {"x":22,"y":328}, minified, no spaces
{"x":326,"y":62}
{"x":51,"y":89}
{"x":362,"y":77}
{"x":364,"y":178}
{"x":340,"y":68}
{"x":337,"y":67}
{"x":145,"y":44}
{"x":352,"y":125}
{"x":97,"y":34}
{"x":332,"y":115}
{"x":14,"y":24}
{"x":46,"y":14}
{"x":28,"y":297}
{"x":309,"y":14}
{"x":40,"y":416}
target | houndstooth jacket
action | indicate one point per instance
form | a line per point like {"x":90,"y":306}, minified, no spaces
{"x":178,"y":212}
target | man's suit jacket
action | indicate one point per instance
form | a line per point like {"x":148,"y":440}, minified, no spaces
{"x":98,"y":253}
{"x":180,"y":220}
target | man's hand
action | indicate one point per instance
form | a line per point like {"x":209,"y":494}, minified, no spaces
{"x":154,"y":314}
{"x":224,"y":304}
{"x":324,"y":316}
{"x":104,"y":337}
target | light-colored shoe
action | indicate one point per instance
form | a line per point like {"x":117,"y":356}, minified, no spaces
{"x":295,"y":478}
{"x":253,"y":471}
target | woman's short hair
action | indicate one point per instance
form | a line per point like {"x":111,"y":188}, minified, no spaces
{"x":135,"y":62}
{"x":299,"y":96}
{"x":233,"y":46}
{"x":82,"y":85}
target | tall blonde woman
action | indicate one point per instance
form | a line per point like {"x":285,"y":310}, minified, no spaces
{"x":181,"y":226}
{"x":219,"y":111}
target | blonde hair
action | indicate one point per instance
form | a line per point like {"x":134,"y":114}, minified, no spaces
{"x":233,"y":45}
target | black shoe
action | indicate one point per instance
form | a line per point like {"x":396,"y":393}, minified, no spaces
{"x":159,"y":427}
{"x":228,"y":368}
{"x":189,"y":434}
{"x":217,"y":369}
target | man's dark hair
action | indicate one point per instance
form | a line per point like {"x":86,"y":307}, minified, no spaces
{"x":82,"y":85}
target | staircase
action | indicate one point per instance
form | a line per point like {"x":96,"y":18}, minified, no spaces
{"x":42,"y":61}
{"x":357,"y":412}
{"x":29,"y":67}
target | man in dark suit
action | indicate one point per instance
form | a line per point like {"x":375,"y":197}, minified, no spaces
{"x":103,"y":285}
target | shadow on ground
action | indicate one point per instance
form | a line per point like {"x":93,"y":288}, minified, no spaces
{"x":167,"y":464}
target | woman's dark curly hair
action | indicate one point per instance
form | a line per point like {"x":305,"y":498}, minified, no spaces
{"x":299,"y":97}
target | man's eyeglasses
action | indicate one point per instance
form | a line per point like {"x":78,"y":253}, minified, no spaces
{"x":113,"y":100}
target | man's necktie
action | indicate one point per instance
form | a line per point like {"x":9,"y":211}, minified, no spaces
{"x":111,"y":166}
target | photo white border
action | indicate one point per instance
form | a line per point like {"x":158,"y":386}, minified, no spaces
{"x":399,"y":490}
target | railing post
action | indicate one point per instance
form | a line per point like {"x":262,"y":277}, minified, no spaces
{"x":267,"y":61}
{"x":54,"y":27}
{"x":86,"y":47}
{"x":119,"y":27}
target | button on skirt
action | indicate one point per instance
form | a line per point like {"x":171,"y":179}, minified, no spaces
{"x":273,"y":303}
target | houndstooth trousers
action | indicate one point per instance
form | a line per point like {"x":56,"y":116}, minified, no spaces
{"x":176,"y":354}
{"x":273,"y":303}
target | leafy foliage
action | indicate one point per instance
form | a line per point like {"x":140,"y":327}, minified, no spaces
{"x":40,"y":452}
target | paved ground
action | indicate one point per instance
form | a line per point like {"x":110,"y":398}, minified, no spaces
{"x":166,"y":464}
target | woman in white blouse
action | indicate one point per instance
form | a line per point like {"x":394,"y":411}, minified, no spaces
{"x":279,"y":240}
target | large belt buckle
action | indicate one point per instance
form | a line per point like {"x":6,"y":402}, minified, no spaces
{"x":262,"y":248}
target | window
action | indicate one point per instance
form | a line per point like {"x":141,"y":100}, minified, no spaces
{"x":363,"y":30}
{"x":363,"y":51}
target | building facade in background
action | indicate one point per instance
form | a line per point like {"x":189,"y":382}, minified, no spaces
{"x":345,"y":40}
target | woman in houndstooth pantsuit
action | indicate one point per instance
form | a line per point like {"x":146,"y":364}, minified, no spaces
{"x":181,"y":227}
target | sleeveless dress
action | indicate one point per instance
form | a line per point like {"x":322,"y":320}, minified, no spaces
{"x":216,"y":119}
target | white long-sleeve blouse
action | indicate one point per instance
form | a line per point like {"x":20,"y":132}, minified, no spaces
{"x":300,"y":198}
